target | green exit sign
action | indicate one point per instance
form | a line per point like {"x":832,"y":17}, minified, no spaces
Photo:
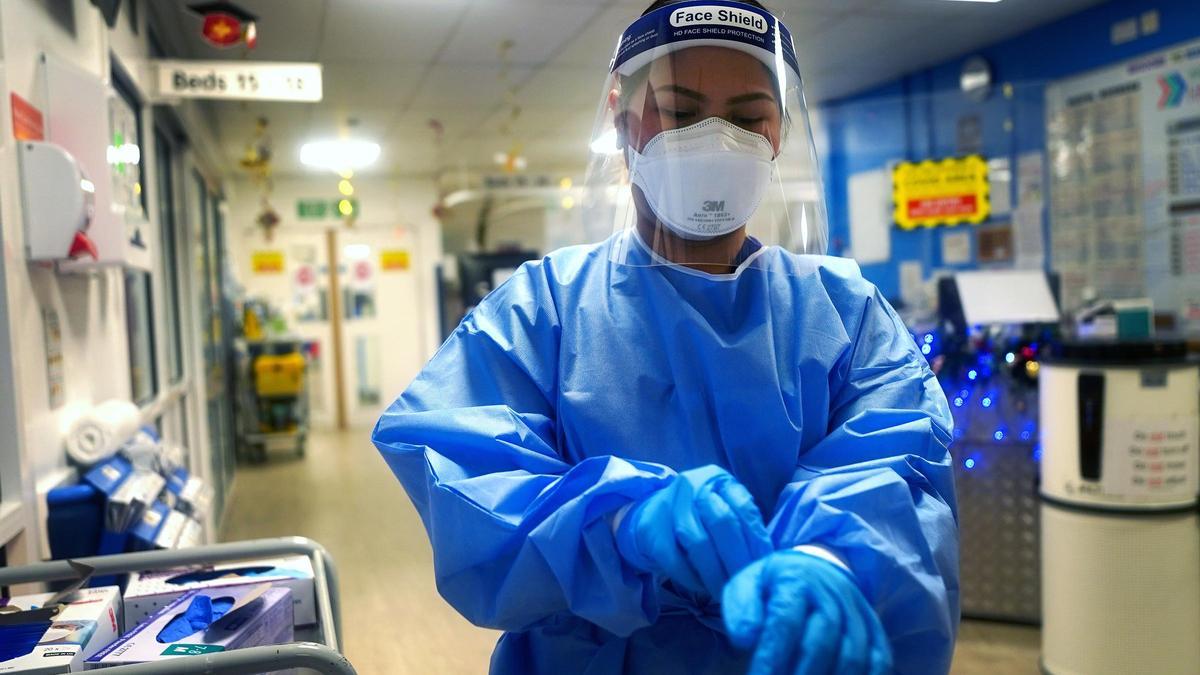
{"x":322,"y":209}
{"x":312,"y":209}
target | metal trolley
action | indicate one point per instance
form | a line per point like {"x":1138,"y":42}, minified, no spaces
{"x":316,"y":648}
{"x":257,"y":433}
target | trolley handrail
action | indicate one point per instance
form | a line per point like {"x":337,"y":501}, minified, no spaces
{"x":247,"y":661}
{"x":324,"y":571}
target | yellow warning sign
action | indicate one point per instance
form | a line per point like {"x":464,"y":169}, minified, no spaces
{"x":394,"y":260}
{"x":267,"y":262}
{"x":946,"y":192}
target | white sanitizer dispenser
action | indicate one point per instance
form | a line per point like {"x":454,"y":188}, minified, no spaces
{"x":1120,"y":525}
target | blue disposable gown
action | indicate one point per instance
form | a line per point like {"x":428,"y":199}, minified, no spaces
{"x":580,"y":385}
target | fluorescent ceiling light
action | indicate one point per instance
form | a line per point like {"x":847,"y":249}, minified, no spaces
{"x":339,"y":155}
{"x":606,"y":143}
{"x":992,"y":1}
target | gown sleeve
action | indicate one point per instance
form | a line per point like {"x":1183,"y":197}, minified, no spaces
{"x":519,"y":534}
{"x":878,"y":491}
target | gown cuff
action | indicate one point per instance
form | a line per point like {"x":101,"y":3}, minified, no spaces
{"x":825,"y":554}
{"x":619,"y":515}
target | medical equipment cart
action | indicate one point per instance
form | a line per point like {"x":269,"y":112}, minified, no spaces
{"x":316,"y":648}
{"x":272,"y":395}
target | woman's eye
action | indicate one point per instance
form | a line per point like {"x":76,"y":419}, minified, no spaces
{"x":748,"y":121}
{"x":679,"y":114}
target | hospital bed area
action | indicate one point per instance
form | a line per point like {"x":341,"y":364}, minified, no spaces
{"x":613,"y":337}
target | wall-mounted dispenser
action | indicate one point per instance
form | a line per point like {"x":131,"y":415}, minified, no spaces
{"x":81,"y":121}
{"x":59,"y":203}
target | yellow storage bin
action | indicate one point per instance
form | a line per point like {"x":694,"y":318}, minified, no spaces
{"x":281,"y":375}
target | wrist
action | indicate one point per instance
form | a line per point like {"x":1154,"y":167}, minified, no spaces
{"x":624,"y":521}
{"x":819,"y":551}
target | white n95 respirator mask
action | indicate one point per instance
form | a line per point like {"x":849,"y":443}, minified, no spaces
{"x":704,"y":180}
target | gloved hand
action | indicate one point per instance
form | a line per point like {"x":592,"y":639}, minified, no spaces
{"x":698,"y":531}
{"x":804,"y":616}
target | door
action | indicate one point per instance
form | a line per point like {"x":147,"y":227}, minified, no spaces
{"x":382,"y":315}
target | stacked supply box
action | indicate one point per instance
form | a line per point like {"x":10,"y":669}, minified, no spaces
{"x":78,"y":630}
{"x":203,"y":622}
{"x":150,"y":590}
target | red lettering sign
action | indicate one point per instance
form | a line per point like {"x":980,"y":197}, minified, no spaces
{"x":27,"y":120}
{"x":942,"y":207}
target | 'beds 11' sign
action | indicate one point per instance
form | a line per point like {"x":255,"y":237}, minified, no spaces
{"x":239,"y":80}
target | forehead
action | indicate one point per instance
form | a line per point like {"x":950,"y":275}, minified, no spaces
{"x":698,"y":67}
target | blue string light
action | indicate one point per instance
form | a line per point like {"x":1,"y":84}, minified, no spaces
{"x":1010,"y":357}
{"x":958,"y":402}
{"x":986,"y":402}
{"x":999,"y":435}
{"x":925,"y":349}
{"x":972,"y":374}
{"x":929,"y":338}
{"x":969,"y":463}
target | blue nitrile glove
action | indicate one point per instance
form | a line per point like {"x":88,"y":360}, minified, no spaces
{"x":697,"y":532}
{"x":803,"y":615}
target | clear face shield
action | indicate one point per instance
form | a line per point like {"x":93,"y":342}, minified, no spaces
{"x":702,"y":154}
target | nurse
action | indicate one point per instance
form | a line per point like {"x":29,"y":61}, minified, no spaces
{"x":696,"y":445}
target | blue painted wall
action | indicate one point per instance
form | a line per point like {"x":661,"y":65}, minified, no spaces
{"x":917,"y":116}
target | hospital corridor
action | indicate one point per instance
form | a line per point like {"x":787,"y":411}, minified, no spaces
{"x":600,"y":337}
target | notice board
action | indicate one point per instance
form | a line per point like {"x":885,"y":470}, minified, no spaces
{"x":1123,"y":146}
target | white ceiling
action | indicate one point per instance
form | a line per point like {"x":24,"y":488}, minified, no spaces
{"x":394,"y":65}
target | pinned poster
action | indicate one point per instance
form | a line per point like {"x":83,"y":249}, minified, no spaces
{"x":305,"y":278}
{"x":267,"y":262}
{"x":1031,"y":185}
{"x":870,"y":222}
{"x":947,"y":192}
{"x":1029,"y":247}
{"x":1000,"y":186}
{"x":956,"y":248}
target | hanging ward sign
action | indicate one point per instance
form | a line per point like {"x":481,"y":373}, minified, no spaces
{"x":239,"y":80}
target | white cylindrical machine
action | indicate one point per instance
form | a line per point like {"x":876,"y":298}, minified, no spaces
{"x":1120,"y":527}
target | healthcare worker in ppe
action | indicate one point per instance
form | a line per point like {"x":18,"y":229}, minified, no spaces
{"x":694,"y":445}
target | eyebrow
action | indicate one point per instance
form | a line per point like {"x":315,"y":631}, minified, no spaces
{"x":684,"y":91}
{"x":747,"y":98}
{"x":692,"y":93}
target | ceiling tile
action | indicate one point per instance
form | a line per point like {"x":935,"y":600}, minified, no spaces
{"x":563,"y":86}
{"x":371,"y":82}
{"x":537,"y":30}
{"x":593,"y":47}
{"x":455,"y":121}
{"x":336,"y":119}
{"x":391,"y":31}
{"x":472,"y":86}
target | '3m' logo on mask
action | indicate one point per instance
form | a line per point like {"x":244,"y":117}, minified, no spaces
{"x":714,"y":207}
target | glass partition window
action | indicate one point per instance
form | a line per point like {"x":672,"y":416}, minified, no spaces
{"x":169,"y":241}
{"x":139,"y":324}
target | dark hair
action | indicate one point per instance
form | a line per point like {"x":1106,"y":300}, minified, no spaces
{"x":659,"y":4}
